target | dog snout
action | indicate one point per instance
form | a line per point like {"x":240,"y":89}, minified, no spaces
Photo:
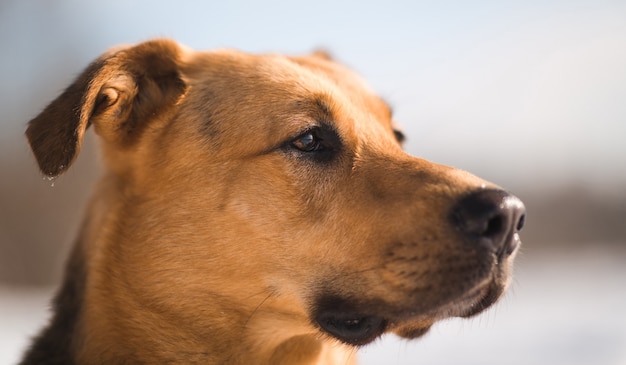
{"x":491,"y":218}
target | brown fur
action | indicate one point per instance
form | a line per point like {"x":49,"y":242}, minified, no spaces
{"x":212,"y":239}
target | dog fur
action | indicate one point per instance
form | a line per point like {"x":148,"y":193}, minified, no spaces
{"x":254,"y":209}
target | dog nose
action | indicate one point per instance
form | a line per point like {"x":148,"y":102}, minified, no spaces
{"x":492,"y":218}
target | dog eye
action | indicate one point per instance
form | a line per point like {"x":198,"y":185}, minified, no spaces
{"x":308,"y":142}
{"x":319,"y":144}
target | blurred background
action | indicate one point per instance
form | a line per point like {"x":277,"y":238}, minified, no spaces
{"x":528,"y":94}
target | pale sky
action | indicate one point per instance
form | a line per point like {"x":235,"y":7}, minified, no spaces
{"x":531,"y":92}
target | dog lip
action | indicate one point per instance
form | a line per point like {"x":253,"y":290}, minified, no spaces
{"x":346,"y":320}
{"x":352,"y":328}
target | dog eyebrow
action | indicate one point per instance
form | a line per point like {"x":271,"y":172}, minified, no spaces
{"x":317,"y":107}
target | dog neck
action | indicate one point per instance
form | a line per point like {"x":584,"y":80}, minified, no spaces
{"x":101,"y":317}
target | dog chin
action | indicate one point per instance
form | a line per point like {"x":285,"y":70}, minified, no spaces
{"x":469,"y":307}
{"x":411,"y":332}
{"x":483,"y":299}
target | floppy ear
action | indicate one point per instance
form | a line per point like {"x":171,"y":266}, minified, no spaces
{"x":119,"y":93}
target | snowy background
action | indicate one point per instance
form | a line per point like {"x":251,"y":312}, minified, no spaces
{"x":528,"y":94}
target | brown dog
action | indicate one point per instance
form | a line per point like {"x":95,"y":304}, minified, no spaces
{"x":257,"y":210}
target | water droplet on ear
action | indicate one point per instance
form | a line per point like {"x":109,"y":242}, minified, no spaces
{"x":51,"y":179}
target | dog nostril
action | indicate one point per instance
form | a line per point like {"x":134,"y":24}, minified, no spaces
{"x":491,"y":218}
{"x":494,"y":227}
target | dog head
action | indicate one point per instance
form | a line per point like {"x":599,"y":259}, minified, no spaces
{"x":273,"y":192}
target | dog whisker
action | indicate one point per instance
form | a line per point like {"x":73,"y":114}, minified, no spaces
{"x":256,"y":309}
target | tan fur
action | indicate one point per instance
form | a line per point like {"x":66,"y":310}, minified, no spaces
{"x":209,"y":238}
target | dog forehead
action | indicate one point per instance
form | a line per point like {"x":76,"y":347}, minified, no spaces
{"x":276,"y":66}
{"x":278,"y":95}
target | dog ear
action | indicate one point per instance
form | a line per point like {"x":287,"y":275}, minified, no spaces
{"x":323,"y":54}
{"x":119,"y":93}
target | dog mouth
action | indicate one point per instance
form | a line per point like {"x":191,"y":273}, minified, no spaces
{"x":358,"y":323}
